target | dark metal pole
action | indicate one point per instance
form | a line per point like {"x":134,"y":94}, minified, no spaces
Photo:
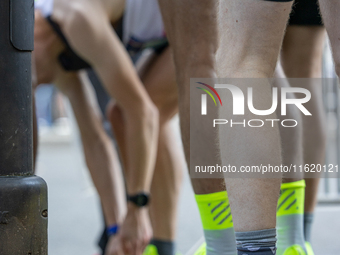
{"x":23,"y":196}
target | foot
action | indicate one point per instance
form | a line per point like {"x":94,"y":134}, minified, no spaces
{"x":294,"y":250}
{"x":201,"y":250}
{"x":309,"y":248}
{"x":150,"y":250}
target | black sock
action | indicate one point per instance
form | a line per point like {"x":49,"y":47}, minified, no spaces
{"x":164,"y":247}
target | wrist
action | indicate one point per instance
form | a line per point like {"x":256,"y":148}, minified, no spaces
{"x":112,"y":230}
{"x":139,"y":200}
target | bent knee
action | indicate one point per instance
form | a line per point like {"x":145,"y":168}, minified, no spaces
{"x":167,"y":111}
{"x":113,"y":111}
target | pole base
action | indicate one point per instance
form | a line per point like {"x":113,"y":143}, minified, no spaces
{"x":23,"y":215}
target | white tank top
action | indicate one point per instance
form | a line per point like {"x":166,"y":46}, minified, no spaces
{"x":142,"y":20}
{"x":45,"y":6}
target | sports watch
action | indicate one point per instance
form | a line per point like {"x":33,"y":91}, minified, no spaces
{"x":140,"y":199}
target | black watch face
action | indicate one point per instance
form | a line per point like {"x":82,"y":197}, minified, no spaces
{"x":142,"y":200}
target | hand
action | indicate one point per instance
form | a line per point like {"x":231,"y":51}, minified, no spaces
{"x":136,"y":231}
{"x":114,"y":246}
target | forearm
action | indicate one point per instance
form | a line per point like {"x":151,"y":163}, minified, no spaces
{"x":102,"y":161}
{"x":101,"y":158}
{"x":104,"y":168}
{"x":141,"y":145}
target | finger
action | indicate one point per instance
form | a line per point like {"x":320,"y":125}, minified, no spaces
{"x":145,"y":241}
{"x":134,"y":248}
{"x":119,"y":251}
{"x":140,"y":247}
{"x":115,"y":252}
{"x":127,"y":247}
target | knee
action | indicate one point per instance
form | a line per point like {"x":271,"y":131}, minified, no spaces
{"x":167,"y":108}
{"x":246,"y":62}
{"x":113,"y":112}
{"x":247,"y":67}
{"x":149,"y":115}
{"x":166,"y":115}
{"x":194,"y":63}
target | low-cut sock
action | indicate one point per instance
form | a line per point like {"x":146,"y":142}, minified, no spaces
{"x":289,"y":221}
{"x":259,"y":242}
{"x":164,"y":247}
{"x":307,"y":225}
{"x":217,"y":223}
{"x":220,"y":241}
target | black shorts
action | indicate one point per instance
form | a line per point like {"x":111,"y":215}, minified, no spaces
{"x":279,"y":1}
{"x":70,"y":61}
{"x":305,"y":13}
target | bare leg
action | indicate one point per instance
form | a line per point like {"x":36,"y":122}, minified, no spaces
{"x":166,"y":185}
{"x":160,"y":84}
{"x":192,"y":32}
{"x":301,"y":57}
{"x":192,"y":59}
{"x":291,"y":138}
{"x":251,"y":39}
{"x":331,"y":19}
{"x":289,"y":224}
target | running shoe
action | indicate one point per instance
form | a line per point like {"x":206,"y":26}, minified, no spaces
{"x":201,"y":250}
{"x":309,"y":248}
{"x":294,"y":250}
{"x":152,"y":250}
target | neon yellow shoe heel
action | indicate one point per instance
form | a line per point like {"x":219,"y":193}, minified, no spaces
{"x":201,"y":250}
{"x":309,"y":248}
{"x":294,"y":250}
{"x":150,"y":250}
